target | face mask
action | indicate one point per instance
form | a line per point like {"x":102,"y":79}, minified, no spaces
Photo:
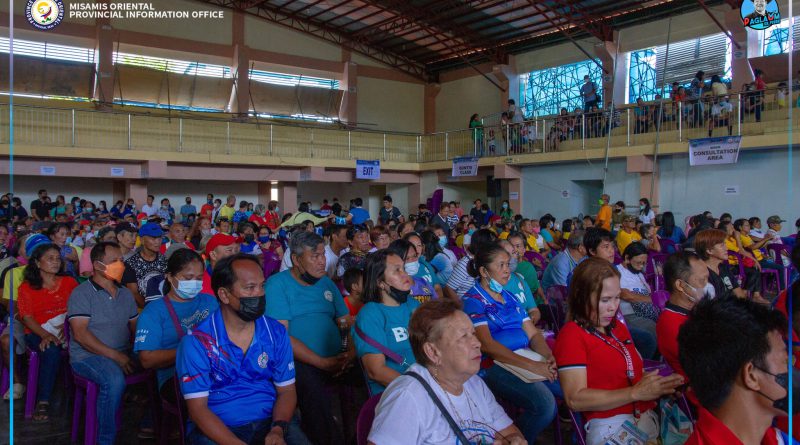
{"x":205,"y":232}
{"x":263,"y":239}
{"x":400,"y":296}
{"x":634,"y":270}
{"x":495,"y":286}
{"x":641,"y":206}
{"x":513,"y":263}
{"x":251,"y":308}
{"x":600,"y":201}
{"x":277,"y":209}
{"x":114,"y":271}
{"x":88,"y":210}
{"x":442,"y":241}
{"x":188,"y":289}
{"x":308,"y":278}
{"x":537,"y":229}
{"x":249,"y":238}
{"x":505,"y":206}
{"x":694,"y":297}
{"x":411,"y":268}
{"x":782,"y":404}
{"x":471,"y":231}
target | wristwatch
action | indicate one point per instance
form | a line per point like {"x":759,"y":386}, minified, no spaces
{"x":281,"y":423}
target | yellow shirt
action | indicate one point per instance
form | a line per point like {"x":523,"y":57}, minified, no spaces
{"x":565,"y":236}
{"x":624,"y":239}
{"x":503,"y":235}
{"x":747,"y":242}
{"x":604,"y":217}
{"x":13,"y":280}
{"x":731,"y":244}
{"x":460,"y":241}
{"x":531,"y":243}
{"x":226,"y":212}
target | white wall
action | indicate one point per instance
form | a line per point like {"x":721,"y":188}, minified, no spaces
{"x":177,"y":191}
{"x":762,"y":177}
{"x":390,"y":105}
{"x":542,"y":186}
{"x":459,"y":99}
{"x":26,"y":188}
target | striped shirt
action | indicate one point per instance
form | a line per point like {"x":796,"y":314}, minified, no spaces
{"x":460,"y":281}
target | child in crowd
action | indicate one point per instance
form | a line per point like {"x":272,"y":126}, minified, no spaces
{"x":353,"y":286}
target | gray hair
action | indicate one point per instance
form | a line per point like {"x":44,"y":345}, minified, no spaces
{"x":575,"y":240}
{"x":303,"y":241}
{"x":260,"y":209}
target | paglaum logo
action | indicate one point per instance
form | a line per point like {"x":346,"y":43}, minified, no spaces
{"x":44,"y":14}
{"x":760,"y":14}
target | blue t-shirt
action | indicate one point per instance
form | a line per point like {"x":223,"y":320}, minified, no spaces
{"x":517,"y":287}
{"x":311,"y":311}
{"x":422,"y":291}
{"x":546,"y":235}
{"x":360,"y":216}
{"x":387,"y":325}
{"x":443,"y":267}
{"x":156,"y":331}
{"x":187,"y":209}
{"x":558,"y":270}
{"x":504,"y":320}
{"x":240,"y":387}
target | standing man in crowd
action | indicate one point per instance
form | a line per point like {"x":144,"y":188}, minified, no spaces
{"x":149,"y":209}
{"x":388,"y":211}
{"x":187,"y":209}
{"x":603,"y":219}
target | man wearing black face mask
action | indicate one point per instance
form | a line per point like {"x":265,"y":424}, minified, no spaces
{"x":236,"y":367}
{"x":733,"y":352}
{"x":311,"y":307}
{"x":686,"y":276}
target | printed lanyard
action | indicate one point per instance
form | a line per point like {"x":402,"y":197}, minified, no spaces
{"x":620,"y":347}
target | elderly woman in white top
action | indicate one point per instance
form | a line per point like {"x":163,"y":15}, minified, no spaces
{"x":448,"y":358}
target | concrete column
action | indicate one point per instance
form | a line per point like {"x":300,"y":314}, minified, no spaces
{"x":742,"y":72}
{"x":118,"y":192}
{"x":614,"y":81}
{"x":103,"y":91}
{"x":348,"y":110}
{"x":287,"y":196}
{"x":136,"y":189}
{"x":508,"y":78}
{"x":414,"y":199}
{"x":646,"y":168}
{"x":240,"y":94}
{"x":431,"y":91}
{"x":515,"y":189}
{"x":264,"y":192}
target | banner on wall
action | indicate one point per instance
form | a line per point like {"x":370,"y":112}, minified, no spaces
{"x":466,"y":166}
{"x":368,"y":169}
{"x":710,"y":151}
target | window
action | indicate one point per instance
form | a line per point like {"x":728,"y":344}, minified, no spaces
{"x":776,"y":39}
{"x":46,"y":50}
{"x":546,"y":91}
{"x":711,"y":54}
{"x":293,"y":80}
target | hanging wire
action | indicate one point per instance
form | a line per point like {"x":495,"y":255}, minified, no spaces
{"x":660,"y":111}
{"x":611,"y":112}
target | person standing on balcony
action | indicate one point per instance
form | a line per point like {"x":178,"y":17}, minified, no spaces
{"x":696,"y":95}
{"x":516,"y":117}
{"x":476,"y":130}
{"x":589,"y":93}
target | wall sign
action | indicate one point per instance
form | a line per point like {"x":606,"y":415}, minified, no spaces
{"x":368,"y":169}
{"x":117,"y":171}
{"x":47,"y":170}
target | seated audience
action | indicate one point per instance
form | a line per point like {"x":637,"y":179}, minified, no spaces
{"x":353,"y":283}
{"x":733,"y":352}
{"x":562,"y":265}
{"x":164,"y":321}
{"x":670,"y":231}
{"x":102,"y":318}
{"x":686,"y":276}
{"x":236,"y":367}
{"x":42,"y":305}
{"x":358,"y":236}
{"x":425,"y":270}
{"x":145,"y":263}
{"x":636,"y":304}
{"x":503,"y":327}
{"x":709,"y":245}
{"x":381,"y":329}
{"x":752,"y":270}
{"x":599,"y":368}
{"x":305,"y":301}
{"x":516,"y":285}
{"x":742,"y":228}
{"x":420,"y":289}
{"x":525,"y":268}
{"x":460,"y":281}
{"x":649,"y":238}
{"x":627,"y":233}
{"x":448,"y":357}
{"x":434,"y":255}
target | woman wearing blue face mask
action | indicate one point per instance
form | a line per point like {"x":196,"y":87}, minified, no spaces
{"x":164,"y":322}
{"x":434,"y":254}
{"x":503,"y":327}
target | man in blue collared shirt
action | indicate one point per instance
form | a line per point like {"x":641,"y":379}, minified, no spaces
{"x":236,"y":368}
{"x":558,"y":271}
{"x":360,"y":216}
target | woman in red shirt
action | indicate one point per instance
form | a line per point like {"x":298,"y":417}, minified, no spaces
{"x":258,"y":217}
{"x":42,"y":304}
{"x":601,"y":371}
{"x":273,"y":218}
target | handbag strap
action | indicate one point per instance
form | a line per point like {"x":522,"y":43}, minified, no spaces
{"x":459,"y":434}
{"x":174,"y":316}
{"x":391,"y":355}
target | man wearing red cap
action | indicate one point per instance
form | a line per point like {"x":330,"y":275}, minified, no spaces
{"x":218,"y":247}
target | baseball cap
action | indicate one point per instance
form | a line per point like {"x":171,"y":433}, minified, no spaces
{"x":124,"y":227}
{"x":775,"y":219}
{"x":35,"y":241}
{"x":151,"y":229}
{"x":220,"y":239}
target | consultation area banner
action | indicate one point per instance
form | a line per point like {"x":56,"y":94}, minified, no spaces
{"x":718,"y":150}
{"x":466,"y":166}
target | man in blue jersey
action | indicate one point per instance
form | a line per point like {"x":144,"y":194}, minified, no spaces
{"x":236,"y":368}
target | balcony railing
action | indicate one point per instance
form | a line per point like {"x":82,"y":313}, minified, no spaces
{"x":748,"y":114}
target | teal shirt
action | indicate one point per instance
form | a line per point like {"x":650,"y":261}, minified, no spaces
{"x":427,"y":272}
{"x":528,"y":273}
{"x":311,"y":311}
{"x":520,"y":290}
{"x":387,"y":325}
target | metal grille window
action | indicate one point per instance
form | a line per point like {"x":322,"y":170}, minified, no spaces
{"x":546,"y":91}
{"x":711,"y":54}
{"x":45,"y":50}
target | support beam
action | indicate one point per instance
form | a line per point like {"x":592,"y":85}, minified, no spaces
{"x":431,"y":91}
{"x":742,"y":71}
{"x":348,"y":110}
{"x":239,"y":102}
{"x":103,"y":93}
{"x":287,"y":196}
{"x":614,"y":83}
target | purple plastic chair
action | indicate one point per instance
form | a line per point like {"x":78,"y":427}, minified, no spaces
{"x":4,"y":374}
{"x":365,"y":418}
{"x":668,"y":246}
{"x":33,"y":380}
{"x":740,"y":264}
{"x":660,"y":298}
{"x":459,"y":252}
{"x":176,"y":412}
{"x":557,"y":303}
{"x":87,"y":391}
{"x":775,"y":252}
